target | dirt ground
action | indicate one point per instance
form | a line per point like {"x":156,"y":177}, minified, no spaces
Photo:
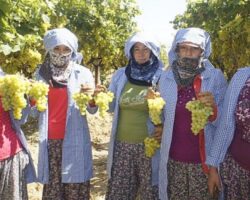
{"x":100,"y":131}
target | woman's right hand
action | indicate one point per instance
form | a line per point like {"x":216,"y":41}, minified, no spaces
{"x":207,"y":98}
{"x":152,"y":94}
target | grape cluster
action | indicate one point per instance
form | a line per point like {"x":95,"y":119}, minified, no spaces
{"x":82,"y":100}
{"x":155,"y":106}
{"x":38,"y":91}
{"x":151,"y":145}
{"x":102,"y":100}
{"x":14,"y":89}
{"x":200,"y":114}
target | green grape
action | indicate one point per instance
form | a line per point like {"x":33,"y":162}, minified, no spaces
{"x":82,"y":100}
{"x":155,"y":108}
{"x":151,"y":145}
{"x":200,"y":114}
{"x":39,"y":91}
{"x":13,"y":89}
{"x":102,"y":100}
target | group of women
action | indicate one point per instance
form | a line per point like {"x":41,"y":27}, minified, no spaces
{"x":215,"y":164}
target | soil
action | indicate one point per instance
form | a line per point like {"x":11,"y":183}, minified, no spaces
{"x":100,"y":131}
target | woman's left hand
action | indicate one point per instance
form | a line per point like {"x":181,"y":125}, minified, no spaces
{"x":207,"y":98}
{"x":214,"y":184}
{"x":87,"y":89}
{"x":99,"y":88}
{"x":158,"y":132}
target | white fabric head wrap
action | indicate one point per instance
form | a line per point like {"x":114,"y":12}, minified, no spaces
{"x":145,"y":39}
{"x":62,"y":36}
{"x":194,"y":35}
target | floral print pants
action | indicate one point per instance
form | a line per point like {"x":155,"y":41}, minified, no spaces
{"x":131,"y":174}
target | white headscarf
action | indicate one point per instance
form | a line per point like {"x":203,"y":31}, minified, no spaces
{"x":194,"y":35}
{"x":62,"y":36}
{"x":145,"y":39}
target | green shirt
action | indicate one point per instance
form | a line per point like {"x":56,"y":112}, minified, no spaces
{"x":133,"y":114}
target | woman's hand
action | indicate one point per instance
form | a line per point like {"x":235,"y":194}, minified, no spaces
{"x":93,"y":92}
{"x":151,"y":94}
{"x":207,"y":98}
{"x":158,"y":132}
{"x":87,"y":89}
{"x":214,"y":183}
{"x":98,"y":89}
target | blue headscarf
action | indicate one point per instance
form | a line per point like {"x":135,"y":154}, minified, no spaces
{"x":148,"y":73}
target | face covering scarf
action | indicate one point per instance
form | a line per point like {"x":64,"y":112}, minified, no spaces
{"x":56,"y":69}
{"x":186,"y":69}
{"x":59,"y":60}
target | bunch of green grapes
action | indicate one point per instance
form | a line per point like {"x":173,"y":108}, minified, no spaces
{"x":151,"y":145}
{"x":39,"y":91}
{"x":13,"y":89}
{"x":82,"y":100}
{"x":200,"y":114}
{"x":155,"y":106}
{"x":102,"y":100}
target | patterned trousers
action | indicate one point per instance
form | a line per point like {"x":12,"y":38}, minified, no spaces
{"x":131,"y":174}
{"x":55,"y":189}
{"x":12,"y":177}
{"x":187,"y":181}
{"x":235,"y":179}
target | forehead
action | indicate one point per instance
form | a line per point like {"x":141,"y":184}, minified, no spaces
{"x":61,"y":46}
{"x":139,"y":45}
{"x":189,"y":44}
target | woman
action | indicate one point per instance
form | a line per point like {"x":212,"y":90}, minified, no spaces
{"x":183,"y":172}
{"x":232,"y":139}
{"x":130,"y":172}
{"x":65,"y":160}
{"x":16,"y":166}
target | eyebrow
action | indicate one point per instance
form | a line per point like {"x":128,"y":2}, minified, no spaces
{"x":186,"y":46}
{"x":141,"y":48}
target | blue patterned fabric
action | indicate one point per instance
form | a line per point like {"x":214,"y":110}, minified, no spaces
{"x":144,"y":74}
{"x":76,"y":157}
{"x":225,"y":131}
